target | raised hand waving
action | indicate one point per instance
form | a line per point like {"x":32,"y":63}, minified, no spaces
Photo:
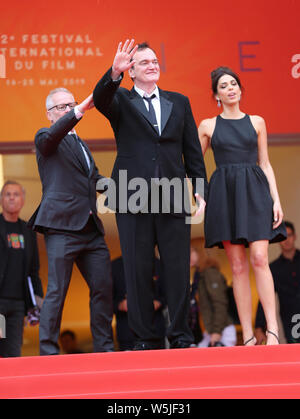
{"x":123,"y":58}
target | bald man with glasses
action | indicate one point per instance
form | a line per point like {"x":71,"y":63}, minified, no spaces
{"x":67,"y":216}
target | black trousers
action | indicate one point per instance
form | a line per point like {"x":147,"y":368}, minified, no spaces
{"x":14,"y":312}
{"x":139,"y":233}
{"x":88,"y":250}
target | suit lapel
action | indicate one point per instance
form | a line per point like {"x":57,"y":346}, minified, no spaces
{"x":166,"y":109}
{"x":92,"y":163}
{"x":138,"y":102}
{"x":165,"y":106}
{"x":78,"y":154}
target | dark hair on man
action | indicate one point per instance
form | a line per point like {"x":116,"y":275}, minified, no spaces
{"x":218,"y":73}
{"x":290,"y":225}
{"x":142,"y":46}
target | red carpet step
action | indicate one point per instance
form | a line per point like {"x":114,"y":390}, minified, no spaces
{"x":239,"y":372}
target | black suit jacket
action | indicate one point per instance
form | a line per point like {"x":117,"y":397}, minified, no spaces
{"x":69,"y":187}
{"x":31,"y":260}
{"x":177,"y":151}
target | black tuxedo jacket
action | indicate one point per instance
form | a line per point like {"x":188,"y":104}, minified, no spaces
{"x":140,"y":149}
{"x":31,"y":267}
{"x":69,"y":187}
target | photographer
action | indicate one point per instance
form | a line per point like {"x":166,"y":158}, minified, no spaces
{"x":214,"y":307}
{"x":18,"y":260}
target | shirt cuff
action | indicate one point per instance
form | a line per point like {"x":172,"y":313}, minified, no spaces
{"x":118,"y":79}
{"x":78,"y":114}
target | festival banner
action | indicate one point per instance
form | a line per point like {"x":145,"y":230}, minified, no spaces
{"x":72,"y":43}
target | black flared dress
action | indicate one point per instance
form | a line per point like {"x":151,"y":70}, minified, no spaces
{"x":239,"y":205}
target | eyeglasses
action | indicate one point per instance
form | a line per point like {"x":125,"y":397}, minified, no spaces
{"x":63,"y":107}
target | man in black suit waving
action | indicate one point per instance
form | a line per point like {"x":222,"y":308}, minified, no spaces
{"x":157,"y":139}
{"x":68,"y":217}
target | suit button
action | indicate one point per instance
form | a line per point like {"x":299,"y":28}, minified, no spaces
{"x":153,"y":158}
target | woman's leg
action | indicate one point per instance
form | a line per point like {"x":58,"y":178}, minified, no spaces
{"x":241,"y":287}
{"x":265,"y":286}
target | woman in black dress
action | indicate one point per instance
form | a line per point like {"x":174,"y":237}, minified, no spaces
{"x":243,"y":206}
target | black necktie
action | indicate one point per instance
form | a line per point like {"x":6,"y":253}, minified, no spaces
{"x":153,"y":120}
{"x":151,"y":111}
{"x":80,"y":152}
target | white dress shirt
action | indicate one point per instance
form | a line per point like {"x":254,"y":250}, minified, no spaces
{"x":155,"y":102}
{"x":79,"y":115}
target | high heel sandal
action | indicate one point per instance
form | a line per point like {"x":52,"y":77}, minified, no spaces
{"x":272,"y":333}
{"x":249,"y":340}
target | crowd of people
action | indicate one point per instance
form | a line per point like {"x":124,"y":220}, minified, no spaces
{"x":158,"y":303}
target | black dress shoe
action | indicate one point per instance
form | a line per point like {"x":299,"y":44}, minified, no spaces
{"x":181,"y":345}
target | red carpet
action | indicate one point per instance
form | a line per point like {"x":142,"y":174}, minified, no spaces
{"x":239,"y":372}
